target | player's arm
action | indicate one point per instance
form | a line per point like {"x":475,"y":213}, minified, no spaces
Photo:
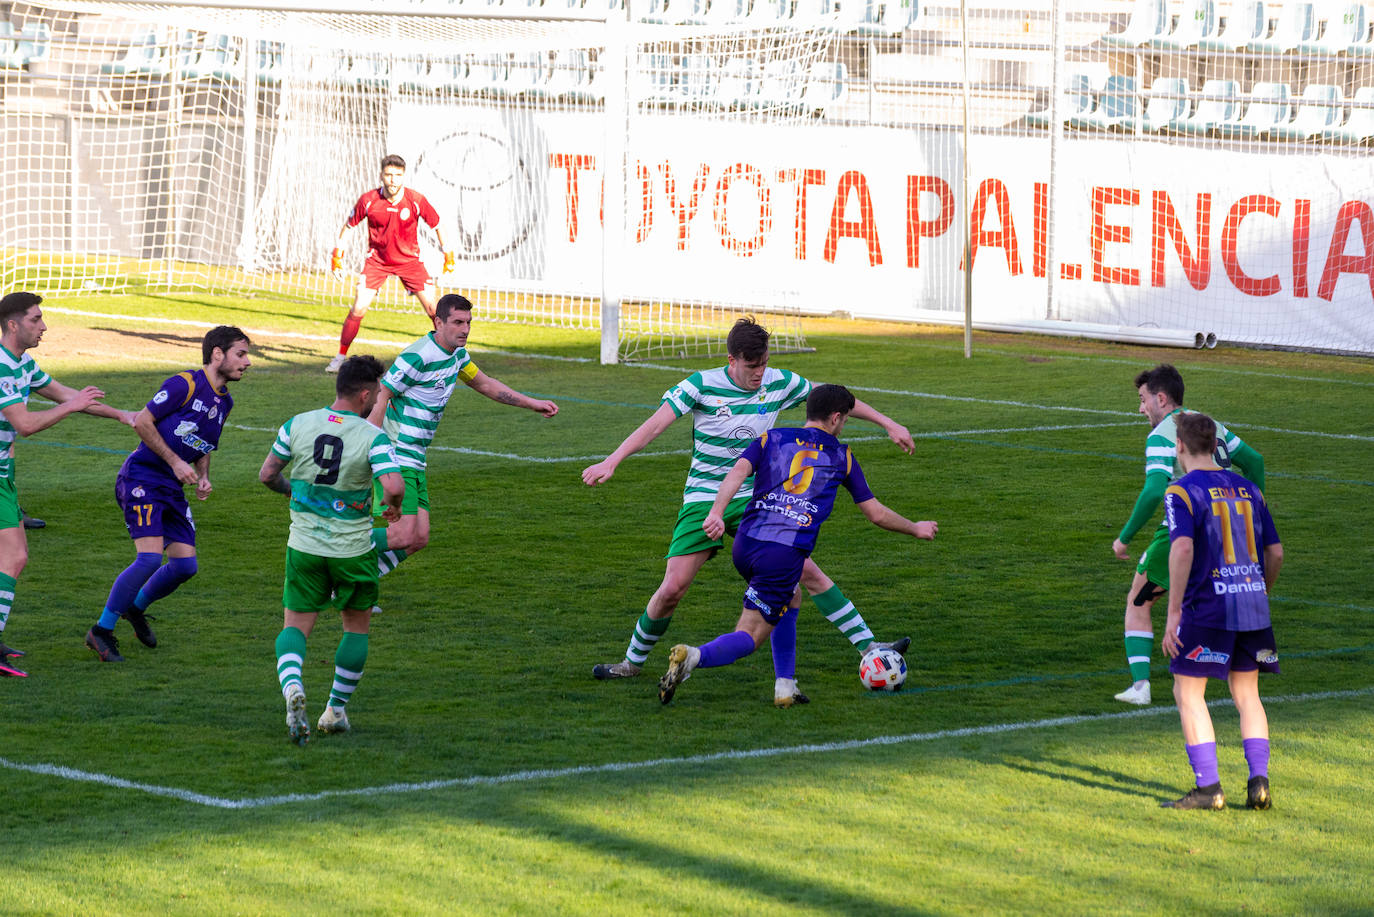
{"x":443,"y":247}
{"x":644,"y":434}
{"x":378,"y":412}
{"x":1151,"y":495}
{"x":56,"y":391}
{"x":886,"y":518}
{"x":714,"y":523}
{"x":393,"y":489}
{"x":1180,"y":566}
{"x":502,"y":393}
{"x":202,"y":466}
{"x":1250,"y":464}
{"x":895,"y":431}
{"x":146,"y":427}
{"x":27,"y":423}
{"x":1273,"y":560}
{"x":271,"y":474}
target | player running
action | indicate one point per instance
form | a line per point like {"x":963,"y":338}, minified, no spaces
{"x":180,"y":426}
{"x":393,"y":213}
{"x":1161,"y":401}
{"x":730,"y":406}
{"x":1224,"y":557}
{"x":415,"y":391}
{"x":331,"y":457}
{"x":799,"y":472}
{"x":21,"y":328}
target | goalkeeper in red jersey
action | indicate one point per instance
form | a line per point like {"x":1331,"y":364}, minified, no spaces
{"x":393,"y":213}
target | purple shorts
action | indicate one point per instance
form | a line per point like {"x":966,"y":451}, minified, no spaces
{"x":153,"y":510}
{"x":773,"y":571}
{"x":1209,"y":652}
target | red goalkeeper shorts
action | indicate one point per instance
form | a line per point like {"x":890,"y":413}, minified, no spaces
{"x":411,"y":273}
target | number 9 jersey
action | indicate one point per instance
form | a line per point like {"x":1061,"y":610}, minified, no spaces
{"x":797,"y":472}
{"x":331,"y":460}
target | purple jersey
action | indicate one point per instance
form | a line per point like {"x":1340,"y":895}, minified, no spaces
{"x":1227,"y":519}
{"x":190,"y":416}
{"x":797,"y":471}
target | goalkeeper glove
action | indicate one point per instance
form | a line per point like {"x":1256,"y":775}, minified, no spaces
{"x":336,"y":260}
{"x":448,"y":262}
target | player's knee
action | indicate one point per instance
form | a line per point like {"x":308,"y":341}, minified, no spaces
{"x":185,"y":567}
{"x":16,"y":562}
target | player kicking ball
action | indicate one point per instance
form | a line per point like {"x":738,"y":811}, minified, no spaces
{"x":798,"y":471}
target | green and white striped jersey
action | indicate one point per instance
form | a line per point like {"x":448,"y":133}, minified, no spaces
{"x":18,"y":377}
{"x":1161,"y":446}
{"x":331,"y":459}
{"x":725,"y":419}
{"x":421,"y":381}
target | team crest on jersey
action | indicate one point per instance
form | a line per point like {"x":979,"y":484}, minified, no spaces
{"x":723,"y":411}
{"x":6,"y":386}
{"x":137,"y":492}
{"x":405,"y":213}
{"x":214,"y":412}
{"x":1203,"y":654}
{"x":160,"y":397}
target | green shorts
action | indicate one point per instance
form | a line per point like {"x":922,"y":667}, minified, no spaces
{"x":313,"y":583}
{"x":10,"y":517}
{"x":1154,"y":563}
{"x":416,"y":497}
{"x":688,"y":538}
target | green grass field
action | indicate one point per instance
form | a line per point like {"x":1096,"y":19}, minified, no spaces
{"x":488,"y":773}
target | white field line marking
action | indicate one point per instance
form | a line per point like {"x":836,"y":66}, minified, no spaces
{"x":558,"y":459}
{"x":527,"y":776}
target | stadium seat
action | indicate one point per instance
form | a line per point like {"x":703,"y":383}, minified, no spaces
{"x":660,"y":80}
{"x":767,"y":13}
{"x":1197,"y":23}
{"x":718,"y":12}
{"x":528,"y":73}
{"x":827,"y":84}
{"x":781,"y":85}
{"x":1078,"y":101}
{"x":1296,"y":24}
{"x":1343,"y":30}
{"x":367,"y":72}
{"x":1117,"y":107}
{"x":887,"y":18}
{"x":589,"y":89}
{"x":735,"y":86}
{"x":812,"y":14}
{"x":1269,"y":107}
{"x":669,"y":12}
{"x":1246,"y":23}
{"x":1149,"y":20}
{"x":1218,"y":105}
{"x":1322,"y":108}
{"x":410,"y":74}
{"x":695,"y":80}
{"x":268,"y":63}
{"x":566,"y":71}
{"x":8,"y":46}
{"x":35,"y":41}
{"x":143,"y":57}
{"x":487,"y":74}
{"x":1359,"y":127}
{"x":1166,"y":105}
{"x":213,"y":58}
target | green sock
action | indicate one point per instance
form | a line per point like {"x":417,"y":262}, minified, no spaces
{"x":1139,"y":644}
{"x":387,"y":559}
{"x":7,"y":584}
{"x":290,"y":657}
{"x":349,"y":659}
{"x":647,"y":632}
{"x":841,"y":612}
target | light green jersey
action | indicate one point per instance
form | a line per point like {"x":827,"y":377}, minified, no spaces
{"x":1161,"y":446}
{"x":18,"y":377}
{"x":331,"y":460}
{"x":421,"y":381}
{"x":725,"y":419}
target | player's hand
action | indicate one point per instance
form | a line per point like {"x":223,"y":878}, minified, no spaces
{"x":714,"y":526}
{"x":203,"y":488}
{"x":85,"y":398}
{"x":127,"y":417}
{"x":546,"y":408}
{"x":185,"y":473}
{"x":902,"y":437}
{"x":927,"y":529}
{"x":1120,"y":550}
{"x":336,"y":260}
{"x":448,"y":262}
{"x":391,"y":514}
{"x":599,"y":473}
{"x":1171,"y":645}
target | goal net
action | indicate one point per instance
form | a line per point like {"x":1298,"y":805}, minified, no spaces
{"x":213,"y":146}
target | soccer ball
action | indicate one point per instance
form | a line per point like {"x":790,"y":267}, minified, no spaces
{"x":882,"y":669}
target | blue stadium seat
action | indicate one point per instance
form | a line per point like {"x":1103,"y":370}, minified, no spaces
{"x":9,"y":57}
{"x":1321,"y":108}
{"x":767,"y":13}
{"x":1359,"y":127}
{"x":1344,"y":29}
{"x":1197,"y":23}
{"x":1218,"y":105}
{"x":35,"y":41}
{"x":268,"y":63}
{"x":1269,"y":107}
{"x":1166,"y":105}
{"x":1296,"y":24}
{"x":143,"y":57}
{"x":528,"y":73}
{"x":212,"y":58}
{"x":488,"y":74}
{"x":1117,"y":107}
{"x":1078,"y":101}
{"x":1149,"y":20}
{"x":827,"y":84}
{"x":718,"y":12}
{"x":1245,"y":24}
{"x":781,"y":86}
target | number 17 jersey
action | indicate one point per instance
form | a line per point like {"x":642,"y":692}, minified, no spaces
{"x":331,"y":459}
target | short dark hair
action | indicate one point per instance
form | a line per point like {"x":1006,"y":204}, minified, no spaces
{"x":828,"y":399}
{"x":747,"y":340}
{"x":15,"y":305}
{"x":357,"y":373}
{"x":451,"y":302}
{"x":1163,"y":378}
{"x":391,"y":159}
{"x":1197,"y":432}
{"x":223,"y":337}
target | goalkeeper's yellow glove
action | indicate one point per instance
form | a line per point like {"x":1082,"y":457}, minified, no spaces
{"x":448,"y":262}
{"x":336,"y":260}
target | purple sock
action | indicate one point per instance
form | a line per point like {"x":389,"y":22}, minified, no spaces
{"x":126,"y":586}
{"x":784,"y":643}
{"x":1257,"y":756}
{"x":725,"y":649}
{"x":164,"y":582}
{"x":1203,"y":758}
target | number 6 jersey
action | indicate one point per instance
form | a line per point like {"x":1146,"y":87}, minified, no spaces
{"x":331,"y":459}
